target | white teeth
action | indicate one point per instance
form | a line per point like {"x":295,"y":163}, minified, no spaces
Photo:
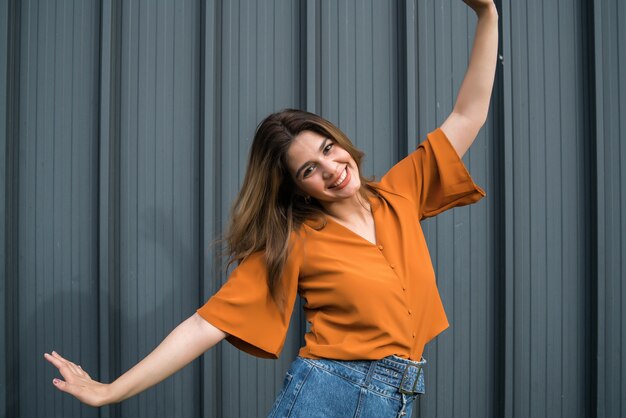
{"x":341,"y":178}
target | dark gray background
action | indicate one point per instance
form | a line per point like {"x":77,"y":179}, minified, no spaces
{"x":125,"y":131}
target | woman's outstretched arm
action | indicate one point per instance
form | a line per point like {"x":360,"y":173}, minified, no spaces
{"x":472,"y":103}
{"x":186,"y":342}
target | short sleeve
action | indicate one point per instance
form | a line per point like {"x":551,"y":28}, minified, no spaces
{"x":434,"y":177}
{"x":245,"y":309}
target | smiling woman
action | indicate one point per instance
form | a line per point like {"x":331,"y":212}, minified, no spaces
{"x":307,"y":222}
{"x":321,"y":168}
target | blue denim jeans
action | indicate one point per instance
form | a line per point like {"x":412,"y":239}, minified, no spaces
{"x":350,"y":389}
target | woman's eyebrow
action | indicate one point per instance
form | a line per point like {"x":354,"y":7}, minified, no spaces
{"x":305,"y":164}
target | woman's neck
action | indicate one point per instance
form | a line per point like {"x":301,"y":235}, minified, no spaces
{"x":349,"y":211}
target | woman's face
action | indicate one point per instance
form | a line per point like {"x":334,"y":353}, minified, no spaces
{"x":322,"y":169}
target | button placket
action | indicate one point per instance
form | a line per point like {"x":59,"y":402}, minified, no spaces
{"x":392,"y":266}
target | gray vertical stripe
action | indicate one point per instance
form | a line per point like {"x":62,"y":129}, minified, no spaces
{"x":159,"y":191}
{"x":4,"y":169}
{"x":610,"y":101}
{"x":57,"y":197}
{"x":548,"y":275}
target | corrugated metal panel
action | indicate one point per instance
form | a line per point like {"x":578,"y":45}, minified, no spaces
{"x":610,"y":97}
{"x":108,"y":210}
{"x":159,"y":194}
{"x":547,"y":263}
{"x":4,"y":170}
{"x":57,"y":291}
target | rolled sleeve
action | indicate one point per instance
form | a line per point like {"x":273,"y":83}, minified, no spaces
{"x":433,"y":177}
{"x":245,"y":309}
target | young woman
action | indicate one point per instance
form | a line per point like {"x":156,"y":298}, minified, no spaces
{"x":307,"y":222}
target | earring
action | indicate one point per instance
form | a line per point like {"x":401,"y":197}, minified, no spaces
{"x":307,"y":199}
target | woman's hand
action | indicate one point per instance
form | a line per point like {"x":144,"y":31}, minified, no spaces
{"x":77,"y":382}
{"x":480,"y":5}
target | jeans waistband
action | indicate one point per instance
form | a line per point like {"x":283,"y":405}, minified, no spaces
{"x":407,"y":376}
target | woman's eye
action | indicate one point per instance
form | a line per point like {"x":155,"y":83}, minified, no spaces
{"x":307,"y":171}
{"x":327,"y":148}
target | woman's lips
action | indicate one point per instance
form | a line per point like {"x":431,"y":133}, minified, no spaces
{"x":344,"y":179}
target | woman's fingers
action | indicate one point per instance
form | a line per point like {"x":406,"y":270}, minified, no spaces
{"x":84,"y":373}
{"x":57,"y":361}
{"x":75,"y":369}
{"x":68,"y":369}
{"x":61,"y":364}
{"x":76,"y":381}
{"x":62,"y":385}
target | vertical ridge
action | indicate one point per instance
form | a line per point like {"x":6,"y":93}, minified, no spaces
{"x":108,"y":211}
{"x":6,"y":179}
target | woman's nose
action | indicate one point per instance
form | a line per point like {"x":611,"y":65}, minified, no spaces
{"x":327,"y":171}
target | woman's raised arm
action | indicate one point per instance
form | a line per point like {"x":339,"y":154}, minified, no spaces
{"x":186,"y":342}
{"x":472,"y":103}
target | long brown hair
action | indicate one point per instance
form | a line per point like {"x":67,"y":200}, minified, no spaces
{"x":269,"y":206}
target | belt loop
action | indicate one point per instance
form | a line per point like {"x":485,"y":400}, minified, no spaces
{"x":406,"y":377}
{"x":370,"y":372}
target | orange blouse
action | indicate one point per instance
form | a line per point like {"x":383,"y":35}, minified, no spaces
{"x":363,"y":301}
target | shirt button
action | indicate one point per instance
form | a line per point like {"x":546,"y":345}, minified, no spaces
{"x":380,"y":247}
{"x":410,"y":312}
{"x":392,"y":266}
{"x":413,"y":335}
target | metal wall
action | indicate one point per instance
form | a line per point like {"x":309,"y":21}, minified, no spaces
{"x":548,"y":340}
{"x":125,"y":131}
{"x":609,"y":206}
{"x":51,"y":147}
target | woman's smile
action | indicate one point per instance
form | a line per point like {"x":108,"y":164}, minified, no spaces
{"x":344,"y":179}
